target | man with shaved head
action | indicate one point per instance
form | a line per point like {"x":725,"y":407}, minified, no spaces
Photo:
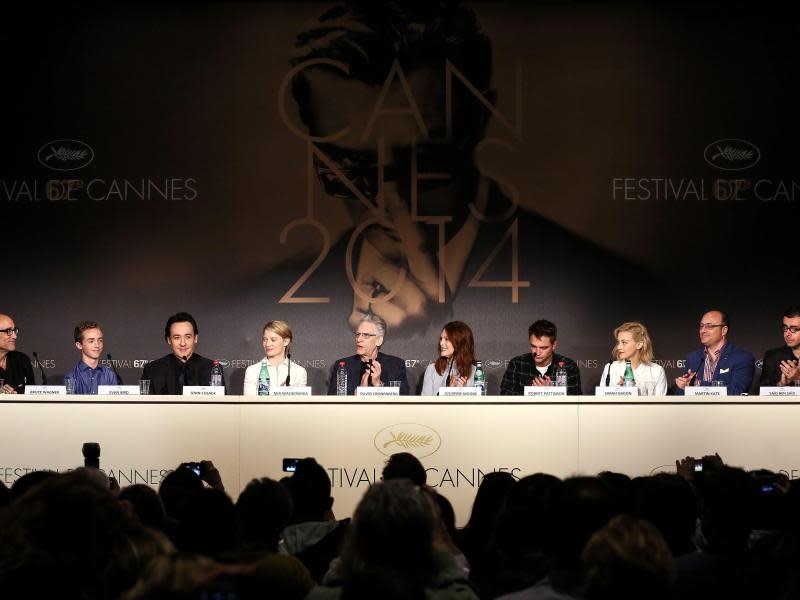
{"x":16,"y":370}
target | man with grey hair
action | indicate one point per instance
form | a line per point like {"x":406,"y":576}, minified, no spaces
{"x":368,"y":366}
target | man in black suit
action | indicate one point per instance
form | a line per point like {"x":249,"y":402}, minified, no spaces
{"x":780,"y":364}
{"x":184,"y":366}
{"x":368,"y":366}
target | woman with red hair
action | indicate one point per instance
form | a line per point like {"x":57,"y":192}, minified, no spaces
{"x":455,"y":366}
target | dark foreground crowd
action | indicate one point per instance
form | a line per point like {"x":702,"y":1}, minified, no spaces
{"x":717,"y":532}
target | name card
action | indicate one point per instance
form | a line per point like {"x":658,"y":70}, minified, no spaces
{"x":289,"y":390}
{"x":779,"y":391}
{"x":203,"y":390}
{"x":545,"y":390}
{"x":460,"y":391}
{"x":377,"y":391}
{"x":614,"y":390}
{"x":118,"y":390}
{"x":705,"y":390}
{"x":46,"y":390}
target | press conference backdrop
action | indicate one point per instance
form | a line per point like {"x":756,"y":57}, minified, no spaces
{"x":589,"y":163}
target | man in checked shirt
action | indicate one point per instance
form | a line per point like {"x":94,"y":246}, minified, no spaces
{"x":538,"y":367}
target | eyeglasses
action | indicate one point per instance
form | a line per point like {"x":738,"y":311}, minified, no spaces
{"x":792,"y":329}
{"x":711,"y":325}
{"x":10,"y":331}
{"x":359,"y":335}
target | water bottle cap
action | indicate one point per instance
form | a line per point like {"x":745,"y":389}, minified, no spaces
{"x":561,"y":364}
{"x":216,"y":363}
{"x":341,"y":363}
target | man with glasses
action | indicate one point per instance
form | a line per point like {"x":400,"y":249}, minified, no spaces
{"x":779,"y":366}
{"x":718,"y":360}
{"x":368,"y":366}
{"x":16,"y":370}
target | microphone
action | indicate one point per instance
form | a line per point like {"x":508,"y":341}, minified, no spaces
{"x":41,"y":368}
{"x":697,"y":370}
{"x":608,"y":376}
{"x":113,"y":368}
{"x":369,"y":370}
{"x":288,"y":369}
{"x":446,"y":382}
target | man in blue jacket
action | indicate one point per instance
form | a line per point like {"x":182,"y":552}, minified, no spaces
{"x":718,"y":360}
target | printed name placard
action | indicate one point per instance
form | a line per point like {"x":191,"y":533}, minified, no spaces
{"x":377,"y":391}
{"x":203,"y":390}
{"x":706,"y":390}
{"x":779,"y":391}
{"x":46,"y":390}
{"x":545,"y":390}
{"x":118,"y":390}
{"x":289,"y":390}
{"x":460,"y":391}
{"x":613,"y":390}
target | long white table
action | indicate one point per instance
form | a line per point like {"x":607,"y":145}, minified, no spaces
{"x":457,"y":439}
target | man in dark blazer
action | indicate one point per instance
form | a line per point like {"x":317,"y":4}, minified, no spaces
{"x":779,"y":366}
{"x":184,"y":366}
{"x":368,"y":366}
{"x":718,"y":360}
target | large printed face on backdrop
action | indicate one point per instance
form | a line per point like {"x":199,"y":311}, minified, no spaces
{"x":182,"y":340}
{"x":91,"y":344}
{"x":379,"y":117}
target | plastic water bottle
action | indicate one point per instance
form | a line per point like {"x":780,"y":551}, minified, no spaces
{"x":480,"y":379}
{"x":561,"y":375}
{"x":216,"y":374}
{"x":341,"y":379}
{"x":263,"y":379}
{"x":627,"y":378}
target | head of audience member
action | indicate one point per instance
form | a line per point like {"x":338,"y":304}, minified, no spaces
{"x":383,"y":584}
{"x":392,"y":529}
{"x":405,"y":465}
{"x":68,"y":538}
{"x":8,"y":335}
{"x":727,"y":500}
{"x":633,"y":343}
{"x":520,"y":527}
{"x":276,"y":339}
{"x":263,"y":510}
{"x":574,"y":510}
{"x":369,"y":336}
{"x":769,"y":502}
{"x":208,"y":525}
{"x":181,"y":335}
{"x":456,"y":344}
{"x":668,"y":502}
{"x":543,"y":335}
{"x":89,"y":341}
{"x":620,"y":486}
{"x":145,"y":504}
{"x":310,"y":488}
{"x":28,"y":481}
{"x":791,"y":321}
{"x":178,"y":576}
{"x":446,"y":513}
{"x":177,"y":490}
{"x":627,"y":559}
{"x":5,"y":494}
{"x":476,"y":536}
{"x":714,"y":326}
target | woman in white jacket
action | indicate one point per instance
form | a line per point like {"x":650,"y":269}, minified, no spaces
{"x":633,"y":344}
{"x":276,"y":339}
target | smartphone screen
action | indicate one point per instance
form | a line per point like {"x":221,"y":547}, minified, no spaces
{"x":290,"y":464}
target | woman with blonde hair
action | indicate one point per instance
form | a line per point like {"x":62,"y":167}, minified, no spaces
{"x":634,"y":344}
{"x":276,"y":339}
